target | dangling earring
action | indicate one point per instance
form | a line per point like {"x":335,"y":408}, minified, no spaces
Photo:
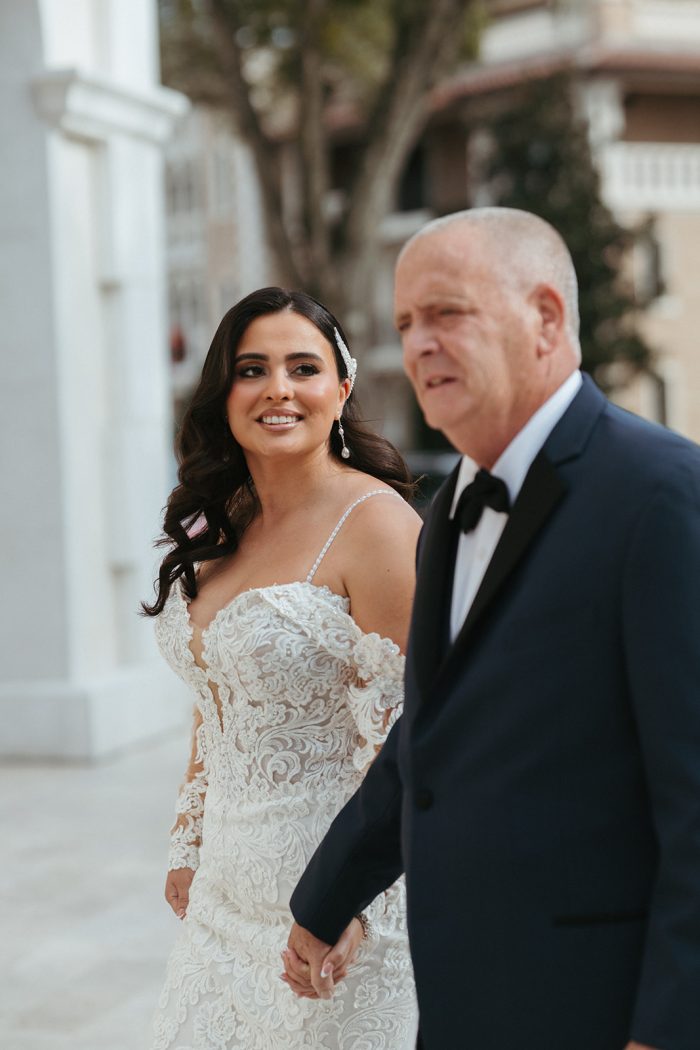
{"x":345,"y":451}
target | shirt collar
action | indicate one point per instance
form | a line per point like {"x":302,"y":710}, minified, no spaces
{"x":515,"y":461}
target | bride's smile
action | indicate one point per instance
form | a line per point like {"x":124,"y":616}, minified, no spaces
{"x":286,"y":391}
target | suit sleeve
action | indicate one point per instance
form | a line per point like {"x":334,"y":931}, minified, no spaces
{"x":661,"y":625}
{"x":361,"y":854}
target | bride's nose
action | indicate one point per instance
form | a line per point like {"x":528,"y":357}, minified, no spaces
{"x":279,"y":386}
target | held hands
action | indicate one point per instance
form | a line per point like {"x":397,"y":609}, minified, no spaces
{"x":177,"y":890}
{"x":312,"y":967}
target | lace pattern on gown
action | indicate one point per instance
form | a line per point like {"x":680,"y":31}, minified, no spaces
{"x":293,"y":700}
{"x":186,"y":834}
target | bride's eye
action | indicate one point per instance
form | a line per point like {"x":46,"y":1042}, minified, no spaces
{"x":306,"y":369}
{"x":249,"y":371}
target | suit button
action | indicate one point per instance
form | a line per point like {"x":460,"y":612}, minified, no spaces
{"x":424,"y":798}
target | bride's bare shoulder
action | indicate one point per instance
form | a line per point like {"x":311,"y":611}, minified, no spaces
{"x":384,"y":520}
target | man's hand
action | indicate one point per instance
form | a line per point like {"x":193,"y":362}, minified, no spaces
{"x":312,"y":967}
{"x":177,"y":890}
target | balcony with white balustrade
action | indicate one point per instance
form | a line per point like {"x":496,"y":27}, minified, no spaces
{"x":651,"y":176}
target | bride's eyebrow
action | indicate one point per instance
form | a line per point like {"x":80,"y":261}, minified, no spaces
{"x":303,"y":354}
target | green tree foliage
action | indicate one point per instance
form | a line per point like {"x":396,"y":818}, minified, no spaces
{"x":289,"y":72}
{"x":540,"y":160}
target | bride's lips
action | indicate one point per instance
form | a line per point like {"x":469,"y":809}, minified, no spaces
{"x":279,"y":420}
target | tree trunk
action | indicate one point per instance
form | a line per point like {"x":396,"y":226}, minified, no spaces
{"x":339,"y":265}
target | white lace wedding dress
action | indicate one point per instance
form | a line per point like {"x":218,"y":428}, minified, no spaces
{"x":291,"y":700}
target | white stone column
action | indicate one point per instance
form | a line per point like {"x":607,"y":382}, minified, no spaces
{"x":84,"y":401}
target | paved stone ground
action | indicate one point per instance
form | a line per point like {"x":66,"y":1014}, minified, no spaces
{"x":84,"y":928}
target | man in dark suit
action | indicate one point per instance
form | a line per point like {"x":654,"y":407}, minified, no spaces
{"x":542,"y":789}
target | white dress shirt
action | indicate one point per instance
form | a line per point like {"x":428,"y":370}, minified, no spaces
{"x":475,"y":549}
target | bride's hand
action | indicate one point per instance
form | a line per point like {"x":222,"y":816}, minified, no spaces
{"x":177,"y":890}
{"x":314,"y":967}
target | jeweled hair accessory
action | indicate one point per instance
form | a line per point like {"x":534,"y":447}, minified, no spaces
{"x":350,"y":362}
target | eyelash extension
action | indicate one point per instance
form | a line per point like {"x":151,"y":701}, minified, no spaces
{"x":241,"y":373}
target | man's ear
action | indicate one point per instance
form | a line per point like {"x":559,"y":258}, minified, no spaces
{"x":551,"y":312}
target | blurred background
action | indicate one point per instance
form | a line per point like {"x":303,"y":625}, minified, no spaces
{"x":161,"y":160}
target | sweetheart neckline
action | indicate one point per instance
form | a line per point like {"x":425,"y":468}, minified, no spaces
{"x":344,"y":598}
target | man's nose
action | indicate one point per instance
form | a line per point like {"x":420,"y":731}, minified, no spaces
{"x":418,"y":341}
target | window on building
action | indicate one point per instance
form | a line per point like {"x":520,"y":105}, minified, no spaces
{"x":188,"y":189}
{"x":223,"y":181}
{"x":228,"y":293}
{"x":648,"y":265}
{"x":175,"y":304}
{"x":660,"y":398}
{"x":196,"y":305}
{"x":170,"y":190}
{"x":343,"y":164}
{"x":412,"y":189}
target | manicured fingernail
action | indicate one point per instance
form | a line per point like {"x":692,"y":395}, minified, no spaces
{"x":181,"y":914}
{"x":326,"y":970}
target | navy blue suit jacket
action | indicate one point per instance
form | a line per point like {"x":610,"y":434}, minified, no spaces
{"x":542,"y":789}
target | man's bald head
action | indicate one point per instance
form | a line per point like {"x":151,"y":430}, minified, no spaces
{"x":485,"y":301}
{"x":529,"y":251}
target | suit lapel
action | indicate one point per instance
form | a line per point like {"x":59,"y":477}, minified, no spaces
{"x":433,"y":587}
{"x":541,"y":492}
{"x":539,"y":495}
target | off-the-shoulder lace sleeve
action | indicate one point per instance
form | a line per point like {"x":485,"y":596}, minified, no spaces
{"x":186,"y":834}
{"x":376,"y":695}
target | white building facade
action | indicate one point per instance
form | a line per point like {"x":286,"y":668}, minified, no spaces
{"x":216,"y":245}
{"x":85,"y":406}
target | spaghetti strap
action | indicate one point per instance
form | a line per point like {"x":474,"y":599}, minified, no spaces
{"x":336,"y":530}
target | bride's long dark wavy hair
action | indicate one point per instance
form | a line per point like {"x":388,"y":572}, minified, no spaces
{"x":215,"y":501}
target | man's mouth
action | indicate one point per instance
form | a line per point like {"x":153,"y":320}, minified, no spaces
{"x":435,"y":381}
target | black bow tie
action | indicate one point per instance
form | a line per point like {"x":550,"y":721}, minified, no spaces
{"x":484,"y":491}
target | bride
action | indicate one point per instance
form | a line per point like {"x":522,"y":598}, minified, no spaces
{"x":283,"y":602}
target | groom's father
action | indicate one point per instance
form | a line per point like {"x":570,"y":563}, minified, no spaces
{"x":542,"y":789}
